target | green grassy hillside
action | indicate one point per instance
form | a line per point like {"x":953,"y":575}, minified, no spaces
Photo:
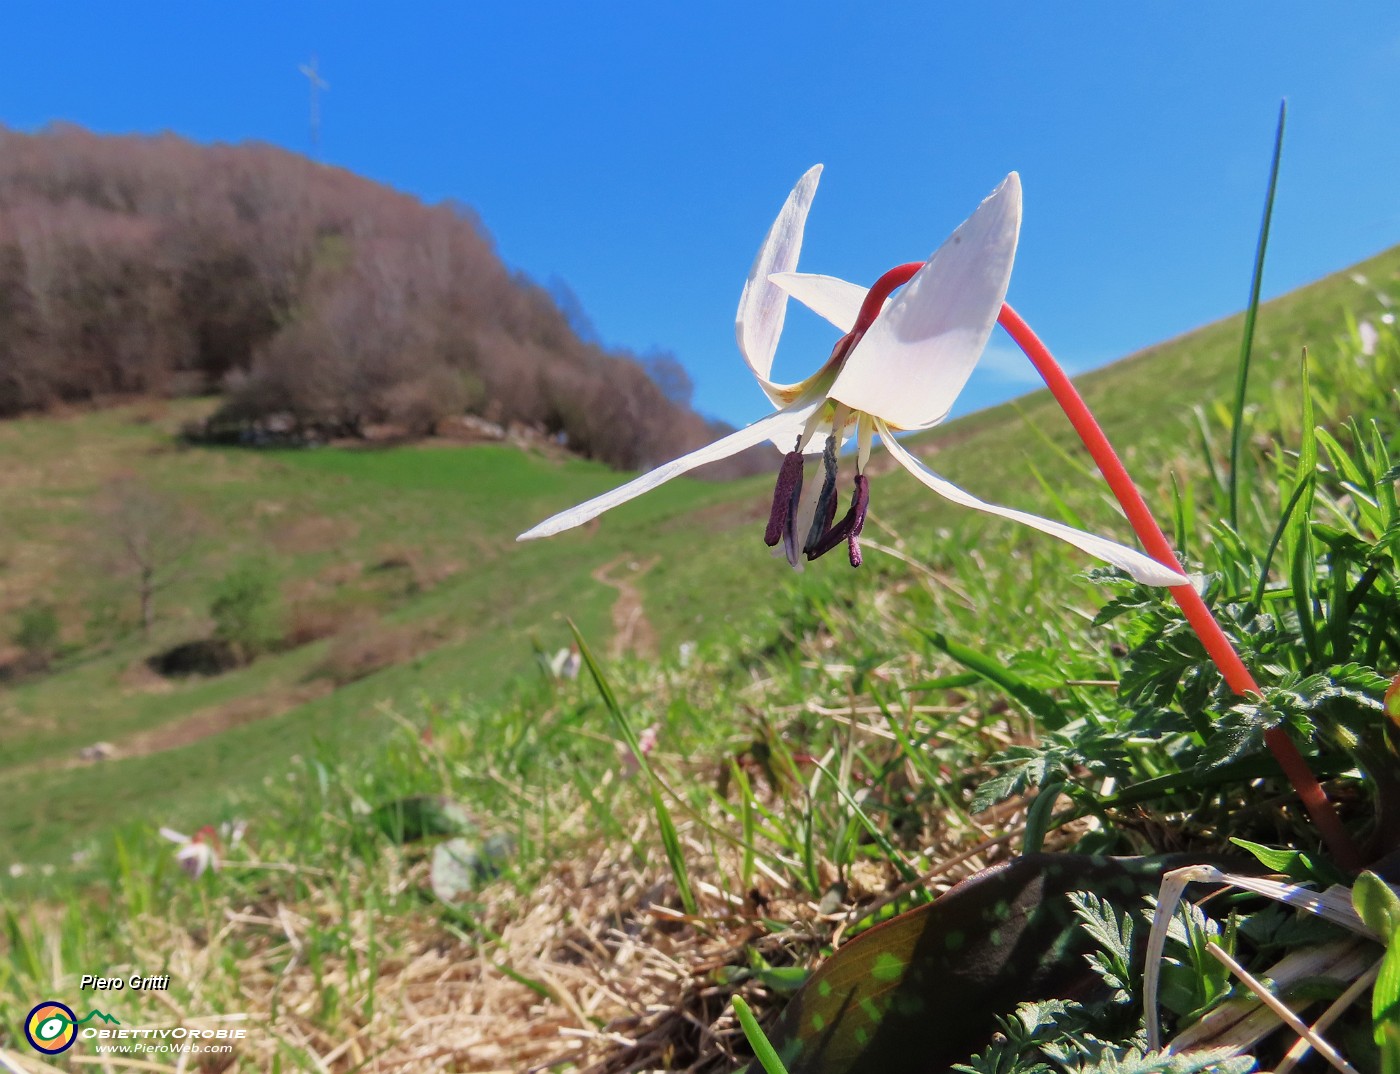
{"x":404,"y":557}
{"x":758,"y":762}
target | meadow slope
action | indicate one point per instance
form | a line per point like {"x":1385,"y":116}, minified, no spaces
{"x":403,"y":557}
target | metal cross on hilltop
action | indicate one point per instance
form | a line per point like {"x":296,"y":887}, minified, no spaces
{"x":317,"y":84}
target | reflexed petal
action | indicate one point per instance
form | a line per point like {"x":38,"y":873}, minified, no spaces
{"x":1142,"y":568}
{"x":914,"y":360}
{"x":763,"y":304}
{"x":836,"y":300}
{"x":784,"y":424}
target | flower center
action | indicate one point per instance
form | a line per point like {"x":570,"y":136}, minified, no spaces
{"x":823,"y":532}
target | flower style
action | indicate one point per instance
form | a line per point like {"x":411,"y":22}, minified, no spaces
{"x":899,"y":365}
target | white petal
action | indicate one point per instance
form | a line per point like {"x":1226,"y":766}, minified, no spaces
{"x":836,"y":300}
{"x":197,"y":857}
{"x":174,"y":836}
{"x":785,"y":424}
{"x":1142,"y":568}
{"x":763,"y":305}
{"x":914,"y":360}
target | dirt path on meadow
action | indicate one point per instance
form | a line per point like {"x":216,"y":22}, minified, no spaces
{"x":632,"y":631}
{"x":203,"y":723}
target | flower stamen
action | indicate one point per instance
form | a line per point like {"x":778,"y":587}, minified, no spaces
{"x":826,"y":501}
{"x":848,"y":529}
{"x":790,"y":548}
{"x":860,"y":501}
{"x":785,"y":495}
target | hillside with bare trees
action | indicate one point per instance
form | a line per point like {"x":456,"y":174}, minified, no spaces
{"x":317,"y":303}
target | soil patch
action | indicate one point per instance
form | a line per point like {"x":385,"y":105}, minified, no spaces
{"x":217,"y":720}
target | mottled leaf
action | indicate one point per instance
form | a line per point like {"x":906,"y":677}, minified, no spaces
{"x":923,"y":990}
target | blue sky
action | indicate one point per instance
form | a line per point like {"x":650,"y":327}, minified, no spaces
{"x":638,"y":151}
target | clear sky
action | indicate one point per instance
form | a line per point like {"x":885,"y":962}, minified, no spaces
{"x":639,"y":151}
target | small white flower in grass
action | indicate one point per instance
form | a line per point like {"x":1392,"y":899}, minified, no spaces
{"x":197,"y":853}
{"x":1369,"y":337}
{"x":900,"y":365}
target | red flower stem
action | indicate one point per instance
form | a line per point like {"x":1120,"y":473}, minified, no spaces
{"x":1217,"y":645}
{"x":1294,"y":766}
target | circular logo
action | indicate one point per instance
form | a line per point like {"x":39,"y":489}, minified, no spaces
{"x":51,"y":1027}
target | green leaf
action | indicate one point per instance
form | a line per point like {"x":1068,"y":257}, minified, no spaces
{"x":1295,"y":864}
{"x":1377,"y":904}
{"x":670,"y":838}
{"x":762,"y":1049}
{"x":1113,"y":932}
{"x":996,"y":672}
{"x":1385,"y":1006}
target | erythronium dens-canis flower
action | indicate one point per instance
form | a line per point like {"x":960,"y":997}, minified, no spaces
{"x":899,"y":366}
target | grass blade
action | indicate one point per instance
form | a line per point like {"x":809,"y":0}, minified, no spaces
{"x":670,"y":838}
{"x":1247,"y":344}
{"x":763,"y":1050}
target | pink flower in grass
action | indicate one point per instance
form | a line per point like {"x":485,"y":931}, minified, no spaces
{"x":647,"y":740}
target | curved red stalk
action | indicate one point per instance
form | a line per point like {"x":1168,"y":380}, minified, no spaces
{"x":1294,"y":766}
{"x":1217,"y":645}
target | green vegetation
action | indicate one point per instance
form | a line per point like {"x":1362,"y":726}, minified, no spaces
{"x":245,"y":609}
{"x":843,"y":742}
{"x":38,"y":633}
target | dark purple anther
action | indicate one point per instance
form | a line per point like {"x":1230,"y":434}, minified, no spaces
{"x":790,"y":548}
{"x":826,"y":500}
{"x":860,"y":501}
{"x":784,"y":496}
{"x":848,"y":529}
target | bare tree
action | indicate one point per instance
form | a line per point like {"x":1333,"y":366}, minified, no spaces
{"x":147,"y":539}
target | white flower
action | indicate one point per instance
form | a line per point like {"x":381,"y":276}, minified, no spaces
{"x":1369,"y":337}
{"x":565,"y":663}
{"x":900,"y":365}
{"x":196,"y":853}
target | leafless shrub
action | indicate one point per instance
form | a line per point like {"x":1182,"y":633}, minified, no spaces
{"x":145,"y":538}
